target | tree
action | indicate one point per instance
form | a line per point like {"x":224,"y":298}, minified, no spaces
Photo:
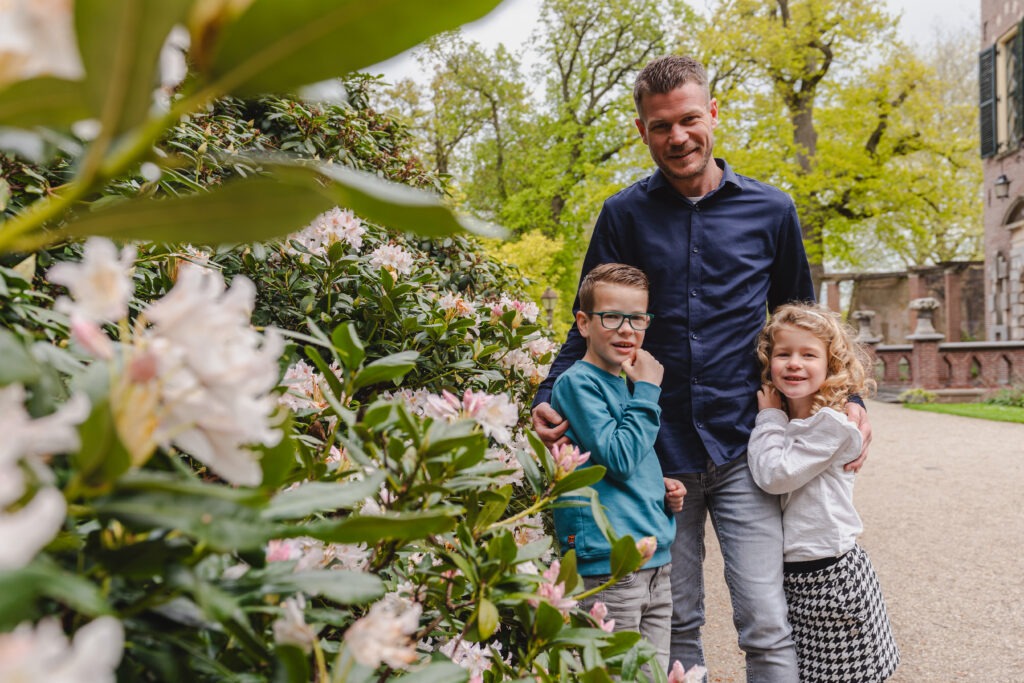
{"x":819,"y":98}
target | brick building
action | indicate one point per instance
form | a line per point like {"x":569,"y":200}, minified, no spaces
{"x":1001,"y":107}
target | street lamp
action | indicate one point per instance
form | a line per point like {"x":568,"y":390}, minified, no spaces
{"x":1002,"y":186}
{"x":548,"y":298}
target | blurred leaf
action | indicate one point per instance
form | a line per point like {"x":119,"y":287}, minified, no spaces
{"x":386,"y":369}
{"x":278,"y":46}
{"x":22,"y":587}
{"x":531,"y":471}
{"x":45,"y":101}
{"x":314,"y":496}
{"x":578,"y":479}
{"x":342,"y":586}
{"x":348,"y":345}
{"x":292,"y":665}
{"x":440,"y":671}
{"x":102,"y":457}
{"x":373,"y":528}
{"x":625,"y":558}
{"x":567,"y":572}
{"x":278,"y":462}
{"x":246,"y":210}
{"x":494,"y":504}
{"x":153,"y":480}
{"x":596,"y":676}
{"x":16,"y":365}
{"x":120,"y":42}
{"x":487,"y":618}
{"x":548,"y":623}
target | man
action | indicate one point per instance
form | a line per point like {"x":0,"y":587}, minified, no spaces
{"x":720,"y":250}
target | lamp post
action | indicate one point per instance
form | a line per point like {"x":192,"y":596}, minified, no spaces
{"x":548,"y":298}
{"x":1002,"y":186}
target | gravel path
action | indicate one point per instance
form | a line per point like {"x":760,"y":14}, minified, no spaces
{"x":941,"y":498}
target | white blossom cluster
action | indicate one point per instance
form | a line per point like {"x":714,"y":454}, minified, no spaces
{"x":330,"y":227}
{"x":525,"y":310}
{"x":43,"y":652}
{"x":385,"y":634}
{"x":497,"y":414}
{"x":310,"y":553}
{"x":304,"y":387}
{"x":392,"y":257}
{"x":195,"y":372}
{"x":37,"y":38}
{"x":26,"y":442}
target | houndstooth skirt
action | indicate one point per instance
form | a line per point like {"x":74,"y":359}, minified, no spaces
{"x":840,"y":626}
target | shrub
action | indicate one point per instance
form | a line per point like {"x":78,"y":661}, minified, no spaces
{"x":917,"y":395}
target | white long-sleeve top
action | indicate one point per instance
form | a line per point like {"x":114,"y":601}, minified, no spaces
{"x":803,"y":460}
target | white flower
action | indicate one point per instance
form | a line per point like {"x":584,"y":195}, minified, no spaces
{"x":37,"y":38}
{"x":392,"y":257}
{"x":216,"y":373}
{"x":456,"y":304}
{"x":328,"y":228}
{"x":27,"y":531}
{"x":474,"y":657}
{"x":43,"y":653}
{"x":384,"y":634}
{"x":24,"y":437}
{"x":100,"y":285}
{"x":291,"y":627}
{"x":496,"y":413}
{"x":678,"y":675}
{"x":508,"y":461}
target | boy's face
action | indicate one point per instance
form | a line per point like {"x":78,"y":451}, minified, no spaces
{"x":607,"y":349}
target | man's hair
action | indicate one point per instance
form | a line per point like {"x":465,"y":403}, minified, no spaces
{"x":610,"y":274}
{"x":847,"y":362}
{"x":665,"y":74}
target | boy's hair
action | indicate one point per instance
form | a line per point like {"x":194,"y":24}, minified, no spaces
{"x":846,"y":360}
{"x":610,"y":274}
{"x":665,"y":74}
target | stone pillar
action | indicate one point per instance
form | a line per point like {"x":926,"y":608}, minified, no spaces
{"x":952,"y":283}
{"x":832,"y":293}
{"x":925,"y":360}
{"x":915,"y":290}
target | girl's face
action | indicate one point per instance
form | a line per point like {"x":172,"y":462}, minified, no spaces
{"x":799,"y":365}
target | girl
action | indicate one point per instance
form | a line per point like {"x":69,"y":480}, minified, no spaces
{"x":799,"y":445}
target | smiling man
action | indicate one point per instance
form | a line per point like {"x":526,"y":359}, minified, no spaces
{"x":720,"y":249}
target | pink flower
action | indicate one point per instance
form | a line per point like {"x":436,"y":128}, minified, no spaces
{"x":678,"y":675}
{"x":567,"y":459}
{"x":598,"y":612}
{"x":553,"y":593}
{"x":647,"y":546}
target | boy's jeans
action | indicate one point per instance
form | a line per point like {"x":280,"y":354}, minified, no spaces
{"x":748,"y":523}
{"x":641,"y":601}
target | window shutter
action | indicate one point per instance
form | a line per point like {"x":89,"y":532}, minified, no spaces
{"x":987,"y":81}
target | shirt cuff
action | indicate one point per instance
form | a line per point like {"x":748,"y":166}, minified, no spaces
{"x":771,"y":416}
{"x":645,"y":391}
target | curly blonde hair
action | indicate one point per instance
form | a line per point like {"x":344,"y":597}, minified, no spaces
{"x":847,"y":362}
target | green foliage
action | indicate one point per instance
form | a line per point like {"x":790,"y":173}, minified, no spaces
{"x":1013,"y":396}
{"x":981,"y":411}
{"x":917,"y":395}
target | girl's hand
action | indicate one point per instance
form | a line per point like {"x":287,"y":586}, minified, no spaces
{"x":768,"y":397}
{"x":674,"y":494}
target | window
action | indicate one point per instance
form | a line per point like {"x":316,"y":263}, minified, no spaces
{"x":1001,"y":80}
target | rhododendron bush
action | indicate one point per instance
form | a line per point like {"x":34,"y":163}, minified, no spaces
{"x":263,"y":417}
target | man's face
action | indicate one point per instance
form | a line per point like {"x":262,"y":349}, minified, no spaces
{"x":678,"y":128}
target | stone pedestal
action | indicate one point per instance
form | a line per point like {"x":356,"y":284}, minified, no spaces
{"x":925,"y":360}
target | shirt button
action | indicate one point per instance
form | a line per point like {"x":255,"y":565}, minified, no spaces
{"x":693,"y":292}
{"x":693,"y":335}
{"x":696,"y":250}
{"x":700,"y":425}
{"x":696,"y":380}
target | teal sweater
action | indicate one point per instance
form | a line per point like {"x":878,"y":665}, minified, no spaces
{"x":619,"y":430}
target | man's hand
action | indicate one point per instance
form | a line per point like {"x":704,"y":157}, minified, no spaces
{"x":768,"y":397}
{"x":549,"y":425}
{"x":859,"y":417}
{"x":675,"y":492}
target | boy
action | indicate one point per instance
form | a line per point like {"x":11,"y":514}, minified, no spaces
{"x":618,"y":428}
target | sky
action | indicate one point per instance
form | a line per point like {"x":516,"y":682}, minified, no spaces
{"x":513,"y":20}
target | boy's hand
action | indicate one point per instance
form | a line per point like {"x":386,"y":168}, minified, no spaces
{"x":674,"y":494}
{"x":644,"y":368}
{"x":768,"y":397}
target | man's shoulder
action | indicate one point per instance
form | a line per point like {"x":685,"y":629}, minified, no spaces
{"x":768,"y":192}
{"x":630,"y":195}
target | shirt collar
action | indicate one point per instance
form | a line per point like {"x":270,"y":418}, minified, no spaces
{"x":729,"y":177}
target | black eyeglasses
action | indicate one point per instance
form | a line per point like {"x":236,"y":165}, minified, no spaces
{"x":612,"y":320}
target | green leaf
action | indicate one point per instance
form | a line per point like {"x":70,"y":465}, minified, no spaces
{"x":223,"y":525}
{"x":102,"y":457}
{"x":386,"y":369}
{"x":292,"y":665}
{"x":16,"y":365}
{"x":494,"y":505}
{"x":278,"y":46}
{"x":486,"y":619}
{"x":596,"y":675}
{"x":441,"y":671}
{"x":625,"y":558}
{"x":22,"y":587}
{"x":348,"y":345}
{"x":120,"y":42}
{"x":249,"y":210}
{"x":579,"y":479}
{"x":548,"y":623}
{"x":530,"y":471}
{"x":278,"y":462}
{"x":567,"y":572}
{"x":46,"y":101}
{"x":314,"y":496}
{"x":342,"y":586}
{"x":370,"y":529}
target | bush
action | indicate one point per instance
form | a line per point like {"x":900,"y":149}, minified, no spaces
{"x":1013,"y":396}
{"x":917,"y":395}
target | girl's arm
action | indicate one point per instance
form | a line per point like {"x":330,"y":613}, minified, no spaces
{"x":784,"y":455}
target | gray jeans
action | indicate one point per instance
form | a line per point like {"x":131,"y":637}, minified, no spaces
{"x":642,"y":602}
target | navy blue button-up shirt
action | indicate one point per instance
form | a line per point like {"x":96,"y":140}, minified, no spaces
{"x":715,"y":267}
